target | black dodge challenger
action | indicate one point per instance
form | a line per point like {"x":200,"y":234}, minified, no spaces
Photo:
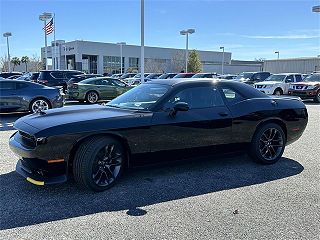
{"x":158,"y":120}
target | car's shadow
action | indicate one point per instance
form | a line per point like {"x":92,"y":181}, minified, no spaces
{"x":24,"y":204}
{"x":7,"y":120}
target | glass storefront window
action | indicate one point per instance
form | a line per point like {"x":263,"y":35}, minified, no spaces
{"x":111,"y":64}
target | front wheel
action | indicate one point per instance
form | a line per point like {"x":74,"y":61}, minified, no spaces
{"x":98,"y":163}
{"x":268,"y":144}
{"x":317,"y":97}
{"x":278,"y":92}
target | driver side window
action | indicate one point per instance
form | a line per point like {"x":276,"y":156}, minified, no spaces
{"x":289,"y":79}
{"x":197,"y":97}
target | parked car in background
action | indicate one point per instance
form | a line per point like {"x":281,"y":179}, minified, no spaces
{"x":278,"y":84}
{"x":167,"y":76}
{"x":57,"y":78}
{"x":94,"y":89}
{"x":29,"y":76}
{"x":227,"y":76}
{"x":252,"y":77}
{"x":152,"y":76}
{"x":136,"y":79}
{"x":81,"y":77}
{"x":116,"y":75}
{"x":127,"y":75}
{"x":184,"y":75}
{"x":20,"y":95}
{"x":10,"y":74}
{"x":205,"y":75}
{"x":309,"y":88}
{"x":172,"y":120}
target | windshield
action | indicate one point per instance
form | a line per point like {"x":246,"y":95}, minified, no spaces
{"x":244,"y":75}
{"x":142,"y":97}
{"x":312,"y":78}
{"x":276,"y":77}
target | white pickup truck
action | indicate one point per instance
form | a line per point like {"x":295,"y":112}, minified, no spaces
{"x":278,"y":84}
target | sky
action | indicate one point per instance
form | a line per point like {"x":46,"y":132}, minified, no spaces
{"x":250,"y":29}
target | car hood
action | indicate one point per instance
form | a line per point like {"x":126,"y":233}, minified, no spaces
{"x":73,"y":119}
{"x":268,"y":83}
{"x":306,"y":83}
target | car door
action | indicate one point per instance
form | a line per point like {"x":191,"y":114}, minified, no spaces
{"x":288,"y":80}
{"x":208,"y":122}
{"x":106,"y":90}
{"x":9,"y":99}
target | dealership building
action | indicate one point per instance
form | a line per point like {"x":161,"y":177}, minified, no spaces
{"x":98,"y":57}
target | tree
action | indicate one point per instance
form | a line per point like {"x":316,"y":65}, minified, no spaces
{"x":4,"y":66}
{"x":25,"y":60}
{"x":15,"y":61}
{"x":194,"y":63}
{"x":36,"y":64}
{"x":178,"y":61}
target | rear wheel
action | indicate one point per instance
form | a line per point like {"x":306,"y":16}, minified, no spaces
{"x":39,"y":105}
{"x":317,"y":97}
{"x":92,"y":97}
{"x":268,"y":144}
{"x":278,"y":92}
{"x":98,"y":163}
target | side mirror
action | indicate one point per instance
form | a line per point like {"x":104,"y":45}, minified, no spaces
{"x":179,"y":106}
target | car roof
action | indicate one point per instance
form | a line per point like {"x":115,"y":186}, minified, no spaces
{"x":183,"y":81}
{"x":286,"y":73}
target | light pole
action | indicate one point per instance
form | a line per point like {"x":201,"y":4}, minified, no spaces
{"x":65,"y":57}
{"x":187,"y":32}
{"x":222,"y":59}
{"x":121,"y":44}
{"x":7,"y":35}
{"x":316,"y":9}
{"x":44,"y":17}
{"x":142,"y":41}
{"x":277,"y":52}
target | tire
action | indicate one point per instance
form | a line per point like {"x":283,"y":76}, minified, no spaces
{"x":268,"y":144}
{"x":317,"y":97}
{"x":278,"y":92}
{"x":92,"y":97}
{"x":39,"y":104}
{"x":98,"y":163}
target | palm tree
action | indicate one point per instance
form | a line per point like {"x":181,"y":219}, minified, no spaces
{"x":15,"y":61}
{"x":25,"y":60}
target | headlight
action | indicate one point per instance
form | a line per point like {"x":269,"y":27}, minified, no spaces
{"x":312,"y":87}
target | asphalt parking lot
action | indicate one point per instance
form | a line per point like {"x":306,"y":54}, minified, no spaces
{"x":211,"y":198}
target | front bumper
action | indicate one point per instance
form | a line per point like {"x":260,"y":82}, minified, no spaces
{"x":305,"y":94}
{"x":38,"y":173}
{"x":268,"y":91}
{"x":35,"y":170}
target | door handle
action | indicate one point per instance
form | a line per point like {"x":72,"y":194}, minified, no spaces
{"x":223,"y":114}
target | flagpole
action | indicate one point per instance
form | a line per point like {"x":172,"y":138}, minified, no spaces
{"x":54,"y":40}
{"x":45,"y":43}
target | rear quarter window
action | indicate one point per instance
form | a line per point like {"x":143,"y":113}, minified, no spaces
{"x":232,"y":96}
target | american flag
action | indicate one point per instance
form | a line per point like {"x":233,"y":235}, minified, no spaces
{"x":49,"y":27}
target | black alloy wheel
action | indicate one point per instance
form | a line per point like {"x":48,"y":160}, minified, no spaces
{"x":268,"y":144}
{"x":98,"y":163}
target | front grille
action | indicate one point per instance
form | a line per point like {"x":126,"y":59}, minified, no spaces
{"x":300,"y":87}
{"x":27,"y":140}
{"x":299,"y":93}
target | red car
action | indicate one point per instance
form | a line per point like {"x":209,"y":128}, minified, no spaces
{"x":308,"y":89}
